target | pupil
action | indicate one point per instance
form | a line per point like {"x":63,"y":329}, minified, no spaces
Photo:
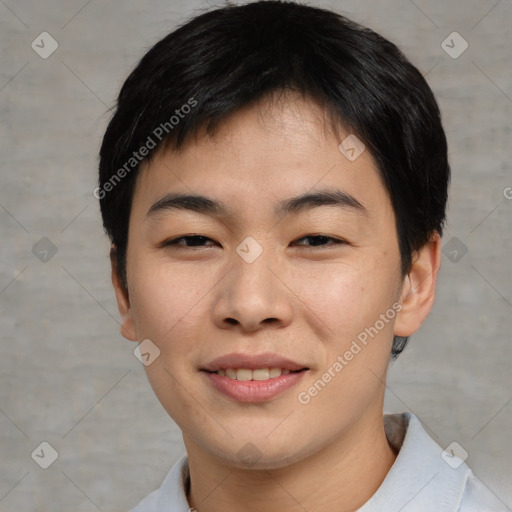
{"x":317,"y":240}
{"x":197,"y":240}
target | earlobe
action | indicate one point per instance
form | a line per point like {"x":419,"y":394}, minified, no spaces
{"x":419,"y":287}
{"x":128,"y":329}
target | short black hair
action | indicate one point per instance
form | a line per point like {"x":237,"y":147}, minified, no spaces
{"x":233,"y":56}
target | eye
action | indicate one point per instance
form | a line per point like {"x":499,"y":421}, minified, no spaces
{"x":191,"y":241}
{"x":320,"y":240}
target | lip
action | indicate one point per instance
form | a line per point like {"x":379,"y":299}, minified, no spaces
{"x":253,"y":391}
{"x":253,"y":362}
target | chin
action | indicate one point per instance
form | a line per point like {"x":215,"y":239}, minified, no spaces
{"x":259,"y":454}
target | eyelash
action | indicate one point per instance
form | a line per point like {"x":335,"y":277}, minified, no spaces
{"x":174,"y":241}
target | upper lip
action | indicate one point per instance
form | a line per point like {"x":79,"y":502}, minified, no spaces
{"x":252,"y":362}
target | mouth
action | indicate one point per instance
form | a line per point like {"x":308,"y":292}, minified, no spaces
{"x":253,"y":378}
{"x":252,"y":386}
{"x":258,"y":374}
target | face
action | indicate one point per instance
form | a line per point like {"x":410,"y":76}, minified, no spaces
{"x":262,"y":275}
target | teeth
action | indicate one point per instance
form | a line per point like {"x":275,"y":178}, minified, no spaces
{"x":260,"y":374}
{"x":243,"y":374}
{"x":274,"y":372}
{"x":247,"y":374}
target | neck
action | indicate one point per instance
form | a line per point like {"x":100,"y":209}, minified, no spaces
{"x":342,"y":476}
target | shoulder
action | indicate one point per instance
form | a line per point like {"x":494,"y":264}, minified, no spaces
{"x":171,"y":494}
{"x":477,"y":497}
{"x":425,"y":477}
{"x":149,"y":503}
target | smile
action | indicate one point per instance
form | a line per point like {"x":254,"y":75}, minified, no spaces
{"x":256,"y":374}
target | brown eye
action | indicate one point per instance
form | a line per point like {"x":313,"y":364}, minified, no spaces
{"x":190,"y":241}
{"x":319,"y":240}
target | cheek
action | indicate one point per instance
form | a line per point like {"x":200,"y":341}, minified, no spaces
{"x":166,"y":306}
{"x":163,"y":298}
{"x":347,"y":297}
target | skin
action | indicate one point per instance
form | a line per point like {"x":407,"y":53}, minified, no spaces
{"x":298,"y":300}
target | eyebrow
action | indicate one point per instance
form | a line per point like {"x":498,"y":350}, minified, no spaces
{"x":207,"y":206}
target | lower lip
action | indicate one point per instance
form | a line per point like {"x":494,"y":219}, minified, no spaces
{"x":253,"y":391}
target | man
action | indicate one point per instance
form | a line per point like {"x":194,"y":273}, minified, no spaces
{"x":274,"y":183}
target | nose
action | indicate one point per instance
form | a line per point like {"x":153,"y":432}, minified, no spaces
{"x":253,"y":296}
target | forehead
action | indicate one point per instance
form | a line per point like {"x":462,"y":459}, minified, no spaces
{"x":263,"y":153}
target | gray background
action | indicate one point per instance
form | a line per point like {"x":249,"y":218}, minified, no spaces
{"x":67,"y":375}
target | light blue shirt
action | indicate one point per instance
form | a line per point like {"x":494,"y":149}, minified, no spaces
{"x":423,"y":478}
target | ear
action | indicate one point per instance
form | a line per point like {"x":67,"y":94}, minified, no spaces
{"x":128,"y":329}
{"x":419,"y":288}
